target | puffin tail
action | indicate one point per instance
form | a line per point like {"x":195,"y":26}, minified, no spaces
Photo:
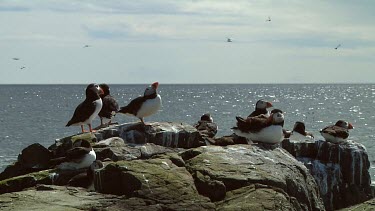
{"x":124,"y":110}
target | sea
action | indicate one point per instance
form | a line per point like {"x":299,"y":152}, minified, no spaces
{"x":38,"y":113}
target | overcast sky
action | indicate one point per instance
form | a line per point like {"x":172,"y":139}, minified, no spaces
{"x":181,"y":41}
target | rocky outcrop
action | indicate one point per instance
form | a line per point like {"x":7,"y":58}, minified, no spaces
{"x":340,"y":170}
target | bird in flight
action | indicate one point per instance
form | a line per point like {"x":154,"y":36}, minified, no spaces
{"x":269,"y":18}
{"x":337,"y":46}
{"x":229,"y":40}
{"x":15,"y":58}
{"x":23,"y":67}
{"x":86,"y":46}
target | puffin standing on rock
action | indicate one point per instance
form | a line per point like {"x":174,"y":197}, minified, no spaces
{"x":262,"y":128}
{"x":144,"y":106}
{"x":261,"y":108}
{"x":110,"y":106}
{"x":337,"y":133}
{"x":88,"y":109}
{"x":299,"y":133}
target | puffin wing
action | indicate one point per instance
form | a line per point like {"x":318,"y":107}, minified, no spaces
{"x":109,"y":105}
{"x":133,"y":107}
{"x":77,"y":153}
{"x":82,"y":112}
{"x":336,"y":131}
{"x":252,"y":124}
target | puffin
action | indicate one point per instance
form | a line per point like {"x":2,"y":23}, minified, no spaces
{"x":261,"y":108}
{"x":206,"y":125}
{"x":299,"y":133}
{"x":88,"y":109}
{"x":337,"y":133}
{"x":262,"y":128}
{"x":110,"y":105}
{"x":144,"y":106}
{"x":80,"y":156}
{"x":86,"y":179}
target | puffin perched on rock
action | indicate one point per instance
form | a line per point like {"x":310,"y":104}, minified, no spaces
{"x":86,"y":179}
{"x":88,"y":109}
{"x":337,"y":133}
{"x":144,"y":106}
{"x":110,"y":105}
{"x":206,"y":126}
{"x":80,"y":156}
{"x":261,"y":108}
{"x":262,"y":128}
{"x":299,"y":133}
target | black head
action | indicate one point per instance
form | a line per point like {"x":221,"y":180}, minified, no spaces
{"x":344,"y":124}
{"x":93,"y":91}
{"x":277,"y":118}
{"x":207,"y":117}
{"x":151,"y":90}
{"x":299,"y":127}
{"x":105,"y":89}
{"x":262,"y":104}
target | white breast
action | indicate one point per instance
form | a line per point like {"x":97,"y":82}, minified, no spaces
{"x":149,"y":107}
{"x":332,"y":139}
{"x":270,"y":135}
{"x":98,"y":107}
{"x":85,"y":162}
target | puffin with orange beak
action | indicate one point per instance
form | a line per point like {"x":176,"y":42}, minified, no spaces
{"x":88,"y":109}
{"x":144,"y":106}
{"x":261,"y":108}
{"x":337,"y":133}
{"x":262,"y":128}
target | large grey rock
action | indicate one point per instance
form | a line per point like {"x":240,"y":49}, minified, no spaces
{"x":157,"y":180}
{"x":33,"y":158}
{"x":229,"y":175}
{"x":340,"y":170}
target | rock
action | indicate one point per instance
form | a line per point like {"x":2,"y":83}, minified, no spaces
{"x":116,"y":149}
{"x":340,"y":170}
{"x":157,"y":180}
{"x":229,"y":174}
{"x":33,"y":158}
{"x":365,"y":206}
{"x":25,"y":181}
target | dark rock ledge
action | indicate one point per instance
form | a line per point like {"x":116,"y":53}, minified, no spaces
{"x":163,"y":166}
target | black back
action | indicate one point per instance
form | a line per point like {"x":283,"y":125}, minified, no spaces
{"x":85,"y":109}
{"x":109,"y":103}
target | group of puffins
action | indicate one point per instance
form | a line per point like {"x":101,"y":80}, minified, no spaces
{"x":260,"y":126}
{"x":267,"y":127}
{"x":99,"y":102}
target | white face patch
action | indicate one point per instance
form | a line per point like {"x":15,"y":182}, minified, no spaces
{"x":278,"y":117}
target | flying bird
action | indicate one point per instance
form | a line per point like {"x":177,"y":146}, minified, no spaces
{"x":86,"y":46}
{"x":269,"y":19}
{"x":229,"y":40}
{"x":144,"y":106}
{"x":23,"y":67}
{"x":15,"y":58}
{"x":337,"y":46}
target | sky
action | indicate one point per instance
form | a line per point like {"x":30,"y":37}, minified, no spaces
{"x":185,"y":41}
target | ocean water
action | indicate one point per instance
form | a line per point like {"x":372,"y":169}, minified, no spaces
{"x":39,"y":113}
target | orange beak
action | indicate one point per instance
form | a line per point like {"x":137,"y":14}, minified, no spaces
{"x":155,"y":85}
{"x":350,"y":126}
{"x":269,"y":105}
{"x":101,"y":91}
